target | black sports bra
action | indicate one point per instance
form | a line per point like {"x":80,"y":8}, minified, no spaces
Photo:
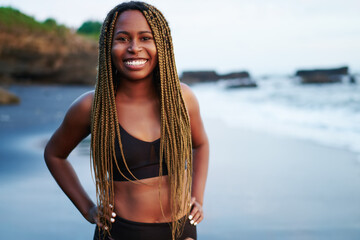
{"x":142,"y":158}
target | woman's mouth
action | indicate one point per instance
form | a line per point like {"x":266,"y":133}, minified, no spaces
{"x":135,"y":63}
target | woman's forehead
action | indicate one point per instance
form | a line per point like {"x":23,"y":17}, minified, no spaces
{"x":132,"y":20}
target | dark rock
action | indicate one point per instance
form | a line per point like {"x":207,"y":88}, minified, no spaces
{"x":322,"y":75}
{"x":7,"y":97}
{"x":190,"y":77}
{"x":234,"y":75}
{"x":199,"y":76}
{"x":352,"y":79}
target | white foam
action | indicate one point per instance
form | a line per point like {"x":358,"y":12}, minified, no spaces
{"x":325,"y":114}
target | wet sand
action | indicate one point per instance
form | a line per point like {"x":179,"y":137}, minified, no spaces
{"x":262,"y":186}
{"x":259,"y":187}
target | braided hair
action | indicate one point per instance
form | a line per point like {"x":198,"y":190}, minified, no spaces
{"x":175,"y":140}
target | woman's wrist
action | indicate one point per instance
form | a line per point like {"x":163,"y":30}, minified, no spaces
{"x":197,"y":199}
{"x":91,"y":214}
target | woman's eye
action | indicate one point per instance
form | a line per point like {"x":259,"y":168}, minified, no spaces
{"x":122,"y":39}
{"x":146,"y":38}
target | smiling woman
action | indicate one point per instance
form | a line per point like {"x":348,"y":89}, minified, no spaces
{"x":148,"y":143}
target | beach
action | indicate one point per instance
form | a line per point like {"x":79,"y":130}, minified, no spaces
{"x":260,"y":185}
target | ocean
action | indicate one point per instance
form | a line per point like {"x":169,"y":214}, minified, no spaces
{"x":328,"y":114}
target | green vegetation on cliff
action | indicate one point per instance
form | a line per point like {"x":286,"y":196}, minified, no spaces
{"x":90,"y":29}
{"x":11,"y":18}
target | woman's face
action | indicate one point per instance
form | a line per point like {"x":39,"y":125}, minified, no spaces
{"x":133,"y":50}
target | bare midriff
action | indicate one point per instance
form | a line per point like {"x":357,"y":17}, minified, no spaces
{"x":141,"y":202}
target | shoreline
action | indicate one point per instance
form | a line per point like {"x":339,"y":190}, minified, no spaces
{"x":326,"y":115}
{"x":285,"y":137}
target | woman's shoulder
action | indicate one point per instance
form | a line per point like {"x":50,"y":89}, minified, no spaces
{"x":189,"y":97}
{"x":80,"y":109}
{"x":186,"y":91}
{"x":83,"y":102}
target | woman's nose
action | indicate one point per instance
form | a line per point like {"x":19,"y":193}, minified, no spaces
{"x":134,"y":46}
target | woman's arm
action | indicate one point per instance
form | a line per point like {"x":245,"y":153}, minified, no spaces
{"x":74,"y":128}
{"x":200,"y":154}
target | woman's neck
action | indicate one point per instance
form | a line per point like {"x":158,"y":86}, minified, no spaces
{"x":136,"y":90}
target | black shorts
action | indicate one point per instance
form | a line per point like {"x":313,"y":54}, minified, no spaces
{"x":123,"y":229}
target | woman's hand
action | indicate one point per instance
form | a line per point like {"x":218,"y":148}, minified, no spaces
{"x":94,"y":213}
{"x":196,"y":214}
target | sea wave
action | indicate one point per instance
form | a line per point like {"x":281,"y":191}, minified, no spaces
{"x":328,"y":114}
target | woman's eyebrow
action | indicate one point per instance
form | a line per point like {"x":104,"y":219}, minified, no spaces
{"x":145,"y":32}
{"x":123,"y":32}
{"x":127,"y":33}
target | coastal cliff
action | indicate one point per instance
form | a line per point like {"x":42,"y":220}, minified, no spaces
{"x":34,"y":52}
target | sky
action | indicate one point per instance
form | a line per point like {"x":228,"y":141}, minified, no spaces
{"x":260,"y":36}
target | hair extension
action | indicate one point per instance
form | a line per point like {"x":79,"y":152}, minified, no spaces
{"x":175,"y":140}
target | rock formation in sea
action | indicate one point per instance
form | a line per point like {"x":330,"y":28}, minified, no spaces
{"x":329,"y":75}
{"x":235,"y":75}
{"x":191,"y":77}
{"x":7,"y":97}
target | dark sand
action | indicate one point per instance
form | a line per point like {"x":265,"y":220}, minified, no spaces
{"x":259,"y":187}
{"x":268,"y":187}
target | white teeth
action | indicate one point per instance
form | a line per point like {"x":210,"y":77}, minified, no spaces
{"x":135,"y":62}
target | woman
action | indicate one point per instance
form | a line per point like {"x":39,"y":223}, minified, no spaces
{"x":148,"y":144}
